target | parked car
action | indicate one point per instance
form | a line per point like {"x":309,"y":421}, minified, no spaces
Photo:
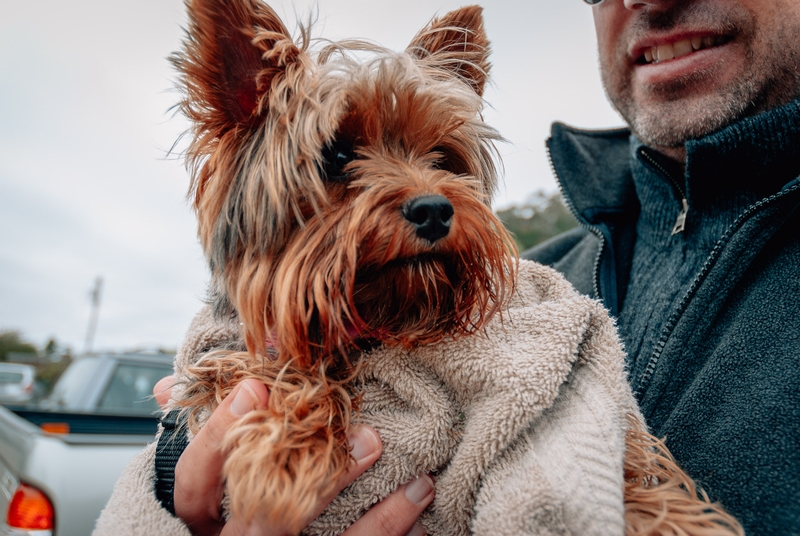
{"x":59,"y":462}
{"x":16,"y":383}
{"x":118,"y":384}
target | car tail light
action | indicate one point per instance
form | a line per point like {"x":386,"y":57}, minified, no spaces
{"x":55,"y":427}
{"x":30,"y":509}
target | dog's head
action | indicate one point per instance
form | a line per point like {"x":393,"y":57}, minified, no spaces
{"x":343,"y":193}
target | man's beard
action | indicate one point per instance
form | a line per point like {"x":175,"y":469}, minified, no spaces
{"x":770,"y":77}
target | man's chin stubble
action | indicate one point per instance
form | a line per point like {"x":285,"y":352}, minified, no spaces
{"x":670,"y":121}
{"x":673,"y":124}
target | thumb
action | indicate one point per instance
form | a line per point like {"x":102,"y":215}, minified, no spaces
{"x":198,"y":474}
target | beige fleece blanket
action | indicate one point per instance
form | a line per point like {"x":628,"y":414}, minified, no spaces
{"x":524,"y":426}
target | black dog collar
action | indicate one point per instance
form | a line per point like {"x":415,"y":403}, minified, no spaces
{"x":171,"y":444}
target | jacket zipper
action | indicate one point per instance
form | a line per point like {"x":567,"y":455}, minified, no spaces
{"x":712,"y":258}
{"x":592,"y":229}
{"x":680,"y":222}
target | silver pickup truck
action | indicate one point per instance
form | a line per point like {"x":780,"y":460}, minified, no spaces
{"x":59,"y":461}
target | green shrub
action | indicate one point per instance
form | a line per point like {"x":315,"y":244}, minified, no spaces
{"x":540,"y":217}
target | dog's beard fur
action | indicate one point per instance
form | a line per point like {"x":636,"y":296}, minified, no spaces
{"x":361,"y":272}
{"x":320,"y":264}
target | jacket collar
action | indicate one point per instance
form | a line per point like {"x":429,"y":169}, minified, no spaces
{"x":593,"y":170}
{"x":759,"y":154}
{"x":594,"y":167}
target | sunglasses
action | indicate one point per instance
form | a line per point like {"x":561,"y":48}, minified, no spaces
{"x":594,"y":2}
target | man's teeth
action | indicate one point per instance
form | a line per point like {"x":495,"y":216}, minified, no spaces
{"x":679,"y":48}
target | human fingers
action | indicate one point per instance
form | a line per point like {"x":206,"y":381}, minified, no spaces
{"x":365,"y":448}
{"x":162,"y":390}
{"x":396,"y":515}
{"x":198,"y":474}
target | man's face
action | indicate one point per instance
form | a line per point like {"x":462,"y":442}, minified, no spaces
{"x":679,"y":69}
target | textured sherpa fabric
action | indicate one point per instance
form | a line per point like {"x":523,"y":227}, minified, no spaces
{"x":133,"y":509}
{"x":523,"y":425}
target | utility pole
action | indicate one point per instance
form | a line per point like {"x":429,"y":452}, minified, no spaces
{"x":95,"y":296}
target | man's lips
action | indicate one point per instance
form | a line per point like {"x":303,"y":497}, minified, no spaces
{"x":665,"y":59}
{"x":665,"y":49}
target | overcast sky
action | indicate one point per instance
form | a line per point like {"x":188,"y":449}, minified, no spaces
{"x":87,"y":188}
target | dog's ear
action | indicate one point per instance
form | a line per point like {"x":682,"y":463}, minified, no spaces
{"x":233,"y":51}
{"x":456,"y":43}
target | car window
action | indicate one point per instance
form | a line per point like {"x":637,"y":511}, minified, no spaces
{"x":74,"y":382}
{"x":131,"y":389}
{"x":10,"y":377}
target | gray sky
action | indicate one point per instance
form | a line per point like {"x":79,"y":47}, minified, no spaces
{"x":87,"y":188}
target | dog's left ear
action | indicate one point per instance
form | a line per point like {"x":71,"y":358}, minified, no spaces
{"x":456,"y":43}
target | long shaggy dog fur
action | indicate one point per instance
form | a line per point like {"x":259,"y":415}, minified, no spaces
{"x":304,"y":164}
{"x":315,"y":255}
{"x":660,"y":498}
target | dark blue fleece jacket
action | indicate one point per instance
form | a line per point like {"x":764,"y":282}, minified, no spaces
{"x":710,"y":315}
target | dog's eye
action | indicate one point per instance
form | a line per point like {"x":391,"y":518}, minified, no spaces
{"x":441,"y":161}
{"x":336,"y":155}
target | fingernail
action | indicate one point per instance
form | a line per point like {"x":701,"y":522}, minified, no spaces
{"x":245,"y":401}
{"x":416,"y":530}
{"x":363,"y":442}
{"x":417,"y":490}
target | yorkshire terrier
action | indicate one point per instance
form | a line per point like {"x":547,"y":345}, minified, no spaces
{"x":343,"y":197}
{"x":342,"y":203}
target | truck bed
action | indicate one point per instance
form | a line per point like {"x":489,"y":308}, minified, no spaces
{"x":76,"y":470}
{"x":91,"y":423}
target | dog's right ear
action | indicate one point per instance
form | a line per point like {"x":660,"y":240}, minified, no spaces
{"x":234,"y":50}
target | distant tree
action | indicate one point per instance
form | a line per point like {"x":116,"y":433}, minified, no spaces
{"x":51,"y":347}
{"x":48,"y":373}
{"x":11,"y":341}
{"x":540,"y":217}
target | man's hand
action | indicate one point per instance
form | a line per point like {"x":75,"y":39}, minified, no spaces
{"x":199,"y":486}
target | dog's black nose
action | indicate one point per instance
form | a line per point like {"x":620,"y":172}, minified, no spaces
{"x":431,"y":216}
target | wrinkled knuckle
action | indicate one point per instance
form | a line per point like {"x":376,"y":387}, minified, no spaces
{"x":214,"y":511}
{"x":215,"y":435}
{"x":389,"y":520}
{"x":187,"y":497}
{"x":194,"y":507}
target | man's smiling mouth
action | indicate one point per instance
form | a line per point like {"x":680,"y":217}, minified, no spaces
{"x":679,"y":49}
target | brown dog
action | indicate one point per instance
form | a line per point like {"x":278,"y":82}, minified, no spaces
{"x":343,"y":203}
